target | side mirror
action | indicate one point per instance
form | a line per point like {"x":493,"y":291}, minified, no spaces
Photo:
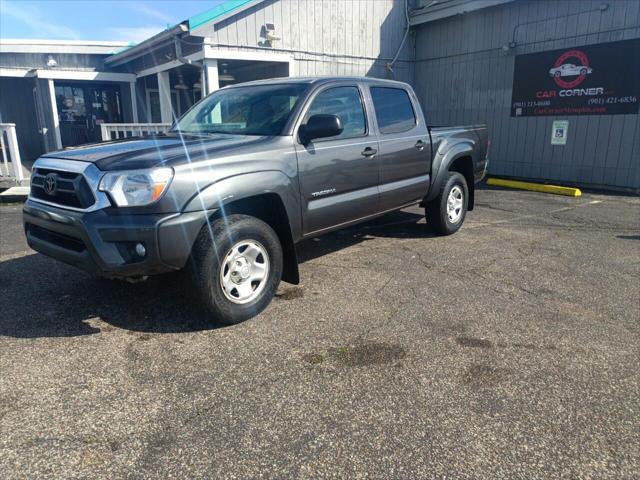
{"x":321,"y":126}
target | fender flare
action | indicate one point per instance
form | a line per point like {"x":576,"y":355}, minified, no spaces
{"x":447,"y":154}
{"x":245,"y":185}
{"x":218,"y":195}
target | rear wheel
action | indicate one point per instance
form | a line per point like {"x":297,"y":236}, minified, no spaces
{"x":237,"y":266}
{"x":445,"y":213}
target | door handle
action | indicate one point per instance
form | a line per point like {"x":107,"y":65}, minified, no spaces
{"x":369,"y":152}
{"x":420,"y":145}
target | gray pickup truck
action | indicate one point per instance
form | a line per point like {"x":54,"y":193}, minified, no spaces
{"x":243,"y":176}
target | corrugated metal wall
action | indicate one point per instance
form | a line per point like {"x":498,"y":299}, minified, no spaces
{"x":464,"y":76}
{"x":326,"y":37}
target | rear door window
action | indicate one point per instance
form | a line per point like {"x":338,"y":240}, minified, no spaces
{"x":394,"y":111}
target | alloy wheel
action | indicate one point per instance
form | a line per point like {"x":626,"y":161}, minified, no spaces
{"x":455,"y":203}
{"x":244,"y":271}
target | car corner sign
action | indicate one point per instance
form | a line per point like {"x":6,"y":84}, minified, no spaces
{"x":601,"y":79}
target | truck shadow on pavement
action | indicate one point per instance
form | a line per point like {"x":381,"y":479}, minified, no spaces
{"x":45,"y":298}
{"x":401,"y":224}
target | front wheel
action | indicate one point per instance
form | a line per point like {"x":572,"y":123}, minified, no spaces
{"x":445,"y":213}
{"x":237,"y":266}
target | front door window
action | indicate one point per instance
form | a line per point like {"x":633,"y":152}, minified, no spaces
{"x":345,"y":102}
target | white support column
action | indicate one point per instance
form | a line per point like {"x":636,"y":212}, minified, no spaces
{"x":164,"y":91}
{"x":292,"y":67}
{"x":5,"y":160}
{"x":134,"y":101}
{"x":54,"y":113}
{"x":203,"y":81}
{"x":209,"y":80}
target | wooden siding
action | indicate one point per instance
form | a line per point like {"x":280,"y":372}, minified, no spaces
{"x":463,"y":76}
{"x":74,"y":61}
{"x":326,"y":37}
{"x":17,"y":106}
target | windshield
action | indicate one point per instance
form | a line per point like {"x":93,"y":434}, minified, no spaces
{"x":251,"y":110}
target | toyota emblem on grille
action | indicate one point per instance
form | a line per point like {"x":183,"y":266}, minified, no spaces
{"x":50,"y":184}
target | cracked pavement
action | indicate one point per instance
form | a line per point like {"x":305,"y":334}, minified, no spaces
{"x":509,"y":350}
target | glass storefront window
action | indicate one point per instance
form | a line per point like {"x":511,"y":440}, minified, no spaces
{"x":83,"y":107}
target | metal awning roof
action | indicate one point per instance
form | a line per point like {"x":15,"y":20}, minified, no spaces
{"x":32,"y":45}
{"x":437,"y":9}
{"x":220,"y":12}
{"x":212,"y":16}
{"x":146,"y":45}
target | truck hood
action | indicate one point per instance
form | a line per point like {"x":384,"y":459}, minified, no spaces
{"x":146,"y":152}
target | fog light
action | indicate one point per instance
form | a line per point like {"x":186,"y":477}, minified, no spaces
{"x":140,"y":250}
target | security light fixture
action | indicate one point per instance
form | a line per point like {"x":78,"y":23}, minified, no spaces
{"x":270,"y":32}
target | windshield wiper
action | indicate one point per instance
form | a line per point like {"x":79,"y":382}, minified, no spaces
{"x":224,"y":132}
{"x":183,"y":133}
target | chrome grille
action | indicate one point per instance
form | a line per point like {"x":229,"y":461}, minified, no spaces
{"x":67,"y":189}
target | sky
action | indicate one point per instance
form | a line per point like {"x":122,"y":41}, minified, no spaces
{"x":122,"y":20}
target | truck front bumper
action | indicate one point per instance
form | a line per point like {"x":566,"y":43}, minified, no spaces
{"x":107,"y":243}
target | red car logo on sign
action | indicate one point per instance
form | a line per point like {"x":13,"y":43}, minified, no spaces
{"x":564,"y":69}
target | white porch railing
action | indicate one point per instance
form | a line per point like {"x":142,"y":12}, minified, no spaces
{"x":113,"y":131}
{"x":8,"y":130}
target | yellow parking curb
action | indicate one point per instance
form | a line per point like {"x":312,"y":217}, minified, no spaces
{"x":536,"y":187}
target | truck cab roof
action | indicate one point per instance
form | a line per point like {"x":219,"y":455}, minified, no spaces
{"x":320,"y":81}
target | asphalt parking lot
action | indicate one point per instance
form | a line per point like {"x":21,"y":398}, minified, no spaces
{"x":509,"y":350}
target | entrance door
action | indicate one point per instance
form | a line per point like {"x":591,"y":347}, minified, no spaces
{"x":83,"y":108}
{"x":105,"y":107}
{"x":153,"y":106}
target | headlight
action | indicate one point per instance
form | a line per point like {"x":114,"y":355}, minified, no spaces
{"x":135,"y":188}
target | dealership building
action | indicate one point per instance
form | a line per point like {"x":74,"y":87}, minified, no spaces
{"x":556,"y":81}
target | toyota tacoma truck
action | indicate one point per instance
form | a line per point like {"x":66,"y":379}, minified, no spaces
{"x":243,"y":176}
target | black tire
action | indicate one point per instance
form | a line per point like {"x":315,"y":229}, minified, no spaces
{"x":211,"y":248}
{"x":436,"y":210}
